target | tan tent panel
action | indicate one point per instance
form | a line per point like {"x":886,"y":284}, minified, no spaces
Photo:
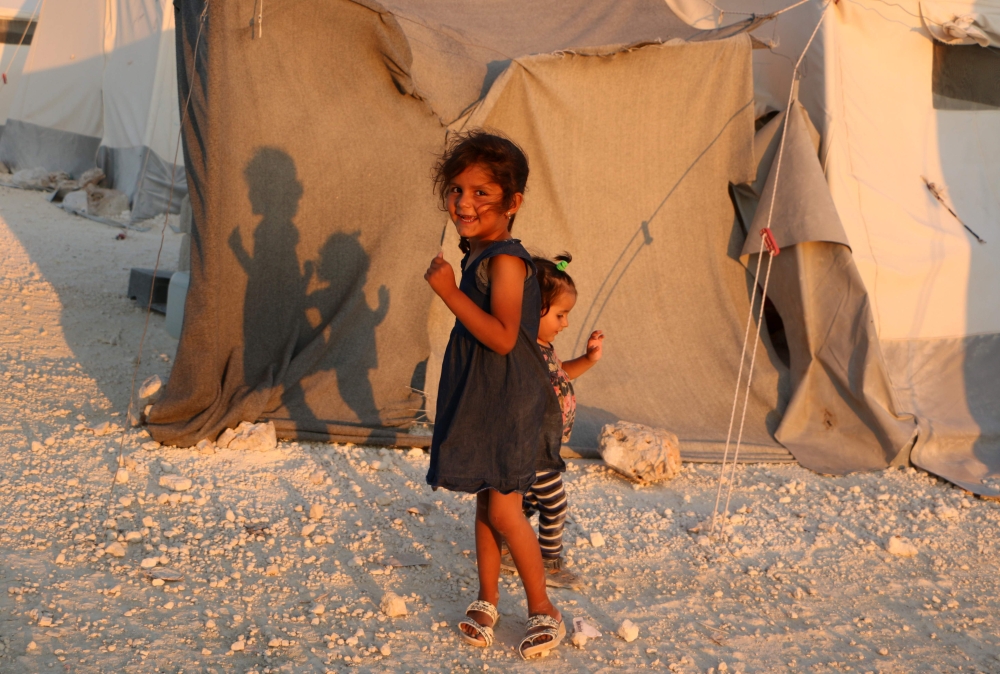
{"x":100,"y":88}
{"x":900,"y":93}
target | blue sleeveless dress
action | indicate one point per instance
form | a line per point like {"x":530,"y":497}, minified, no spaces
{"x":498,"y":418}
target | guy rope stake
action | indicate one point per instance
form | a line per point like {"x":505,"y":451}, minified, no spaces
{"x":770,"y":245}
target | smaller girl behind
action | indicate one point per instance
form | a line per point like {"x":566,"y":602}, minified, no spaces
{"x":547,"y":496}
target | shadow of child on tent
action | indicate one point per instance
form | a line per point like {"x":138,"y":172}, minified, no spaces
{"x":331,"y":328}
{"x":340,"y":310}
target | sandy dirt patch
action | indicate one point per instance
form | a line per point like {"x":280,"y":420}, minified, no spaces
{"x":801,"y":579}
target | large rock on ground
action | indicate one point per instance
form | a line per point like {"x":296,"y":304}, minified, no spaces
{"x":639,"y":452}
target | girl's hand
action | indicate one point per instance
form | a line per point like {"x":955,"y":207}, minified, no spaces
{"x":441,"y":276}
{"x":595,"y":345}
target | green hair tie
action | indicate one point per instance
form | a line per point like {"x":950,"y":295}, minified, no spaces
{"x":561,"y":265}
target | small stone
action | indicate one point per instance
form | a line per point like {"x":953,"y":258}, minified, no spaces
{"x":150,"y":445}
{"x":316,"y":511}
{"x":723,"y":667}
{"x":148,"y":522}
{"x":150,"y":388}
{"x":393,"y":605}
{"x":639,"y":452}
{"x":318,"y":609}
{"x":254,"y":437}
{"x":271,"y":570}
{"x":115,"y":549}
{"x":597,"y":539}
{"x":383,"y":500}
{"x":72,"y":482}
{"x":102,"y":428}
{"x":149,"y":562}
{"x":946,"y":512}
{"x":32,"y":646}
{"x":222,"y":442}
{"x":125,"y":501}
{"x":175,"y":482}
{"x":900,"y":547}
{"x":209,"y":624}
{"x":121,"y":476}
{"x":356,"y":561}
{"x":230,"y":517}
{"x":238,"y":646}
{"x":318,"y":477}
{"x":579,"y":639}
{"x":206,"y":652}
{"x":628,"y":631}
{"x":883,"y":651}
{"x":133,"y":537}
{"x":37,"y":447}
{"x":308,"y":529}
{"x":385,"y":650}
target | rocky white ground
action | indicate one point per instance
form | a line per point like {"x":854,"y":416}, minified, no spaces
{"x":801,"y":580}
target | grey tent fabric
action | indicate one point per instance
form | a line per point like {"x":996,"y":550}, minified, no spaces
{"x":313,"y":223}
{"x":27,"y":145}
{"x":633,"y":183}
{"x":843,"y":414}
{"x":952,"y":387}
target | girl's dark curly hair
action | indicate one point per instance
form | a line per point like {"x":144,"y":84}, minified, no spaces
{"x":500,"y":156}
{"x":552,"y":280}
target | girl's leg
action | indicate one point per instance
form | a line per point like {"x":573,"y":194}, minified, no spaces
{"x":487,"y":559}
{"x":506,"y":520}
{"x":551,"y":499}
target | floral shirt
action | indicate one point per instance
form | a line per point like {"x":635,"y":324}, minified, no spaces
{"x":563,"y":387}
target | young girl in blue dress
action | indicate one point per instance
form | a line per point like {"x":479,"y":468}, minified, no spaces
{"x":498,"y":419}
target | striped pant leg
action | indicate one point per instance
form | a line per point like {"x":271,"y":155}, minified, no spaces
{"x":548,"y":497}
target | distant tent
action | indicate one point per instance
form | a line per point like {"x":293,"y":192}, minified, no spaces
{"x":312,"y":135}
{"x":100,"y":88}
{"x":18,"y":20}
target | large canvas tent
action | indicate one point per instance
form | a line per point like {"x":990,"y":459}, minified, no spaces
{"x":99,"y":88}
{"x":312,"y":134}
{"x":904,"y":92}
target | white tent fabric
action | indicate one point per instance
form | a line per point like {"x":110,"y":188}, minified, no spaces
{"x":100,"y":87}
{"x":868,"y":82}
{"x":13,"y":56}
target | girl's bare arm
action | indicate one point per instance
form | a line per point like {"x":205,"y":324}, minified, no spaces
{"x":498,"y":329}
{"x":595,"y":346}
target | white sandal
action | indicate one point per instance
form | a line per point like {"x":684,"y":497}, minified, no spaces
{"x":483,"y":631}
{"x":554,"y":629}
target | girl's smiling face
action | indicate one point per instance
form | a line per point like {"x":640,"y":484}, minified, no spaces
{"x":475,"y":204}
{"x":556,"y":319}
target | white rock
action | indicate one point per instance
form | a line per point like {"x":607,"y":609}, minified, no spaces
{"x":628,"y":631}
{"x":225,"y":438}
{"x":115,"y":549}
{"x":150,"y":387}
{"x":639,"y":452}
{"x":385,"y":650}
{"x":133,"y":537}
{"x":175,"y":482}
{"x":238,"y":646}
{"x":316,"y":511}
{"x":597,"y":539}
{"x":946,"y":512}
{"x":121,"y":476}
{"x":900,"y":547}
{"x":150,"y":445}
{"x":149,"y":562}
{"x":383,"y":500}
{"x":393,"y":605}
{"x":579,"y":639}
{"x":230,"y":517}
{"x":318,"y":609}
{"x":271,"y":570}
{"x":254,"y":437}
{"x":308,"y":529}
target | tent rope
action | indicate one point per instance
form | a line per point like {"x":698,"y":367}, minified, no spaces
{"x":772,"y":250}
{"x":3,"y":76}
{"x":163,"y":233}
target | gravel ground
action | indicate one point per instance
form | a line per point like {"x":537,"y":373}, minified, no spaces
{"x":800,"y":579}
